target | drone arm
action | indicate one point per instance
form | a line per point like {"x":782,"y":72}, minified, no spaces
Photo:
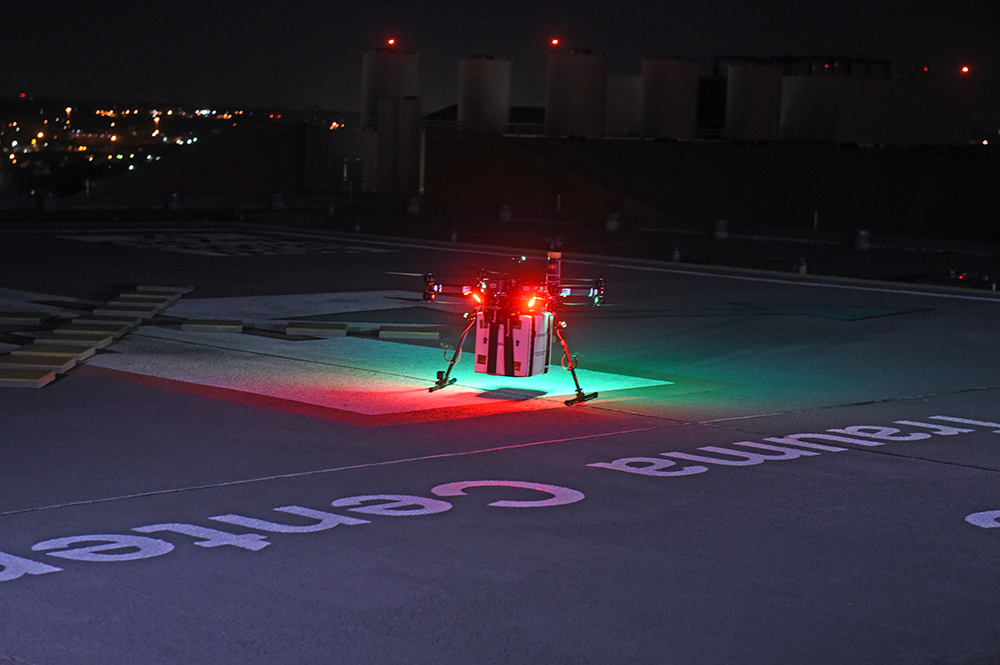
{"x":433,"y":289}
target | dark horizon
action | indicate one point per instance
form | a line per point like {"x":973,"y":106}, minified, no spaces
{"x":257,"y":55}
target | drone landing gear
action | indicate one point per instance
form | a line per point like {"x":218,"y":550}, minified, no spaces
{"x":569,"y":362}
{"x":443,"y":380}
{"x":442,"y":377}
{"x":580,"y":397}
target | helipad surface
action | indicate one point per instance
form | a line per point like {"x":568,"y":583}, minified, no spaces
{"x":777,"y":470}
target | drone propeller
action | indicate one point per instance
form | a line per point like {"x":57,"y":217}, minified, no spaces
{"x":405,"y":274}
{"x":483,"y":270}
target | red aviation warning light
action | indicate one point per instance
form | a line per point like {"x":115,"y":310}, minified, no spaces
{"x":554,"y":41}
{"x":965,"y":69}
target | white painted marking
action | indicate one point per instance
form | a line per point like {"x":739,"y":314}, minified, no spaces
{"x":324,"y":521}
{"x":880,"y":433}
{"x":648,"y":466}
{"x":651,"y":466}
{"x":397,"y":505}
{"x":108,"y":548}
{"x":989,"y":519}
{"x":744,"y":458}
{"x":212,"y":537}
{"x":796,"y":440}
{"x":560,"y":495}
{"x":301,"y":474}
{"x":966,"y":421}
{"x":13,"y":567}
{"x":354,"y":374}
{"x":942,"y":430}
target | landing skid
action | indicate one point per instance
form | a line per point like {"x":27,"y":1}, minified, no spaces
{"x":580,"y":397}
{"x":442,"y":382}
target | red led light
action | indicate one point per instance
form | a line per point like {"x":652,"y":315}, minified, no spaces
{"x":555,"y":41}
{"x":965,"y":69}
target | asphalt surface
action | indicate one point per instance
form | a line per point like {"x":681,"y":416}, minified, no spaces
{"x":778,"y":469}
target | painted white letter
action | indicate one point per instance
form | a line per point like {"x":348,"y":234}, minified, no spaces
{"x":400,"y":505}
{"x":966,"y":421}
{"x":796,"y":440}
{"x":943,"y":430}
{"x":326,"y":521}
{"x":138,"y":547}
{"x":12,"y":567}
{"x":213,"y":537}
{"x":749,"y":459}
{"x":880,"y":433}
{"x":988,"y":520}
{"x":560,"y":495}
{"x":648,"y":466}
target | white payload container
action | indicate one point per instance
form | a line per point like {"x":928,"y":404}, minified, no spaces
{"x":516,"y":345}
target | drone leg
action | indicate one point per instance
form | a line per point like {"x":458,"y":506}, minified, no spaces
{"x":442,"y":380}
{"x":442,"y":377}
{"x":570,"y":364}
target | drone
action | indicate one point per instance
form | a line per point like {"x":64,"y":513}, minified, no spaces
{"x":514,"y":321}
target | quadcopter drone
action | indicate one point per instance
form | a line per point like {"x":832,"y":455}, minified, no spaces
{"x":514,"y":321}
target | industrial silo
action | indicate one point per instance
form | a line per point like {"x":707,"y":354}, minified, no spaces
{"x":945,"y":111}
{"x":809,"y":108}
{"x":575,"y":93}
{"x":400,"y":146}
{"x":670,"y":98}
{"x":753,"y":102}
{"x":387,"y":73}
{"x":483,"y":93}
{"x":623,"y":116}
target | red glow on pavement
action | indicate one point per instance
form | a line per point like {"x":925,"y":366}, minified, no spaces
{"x":489,"y":407}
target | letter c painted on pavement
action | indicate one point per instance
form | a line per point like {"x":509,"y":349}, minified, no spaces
{"x":989,"y":519}
{"x":560,"y":495}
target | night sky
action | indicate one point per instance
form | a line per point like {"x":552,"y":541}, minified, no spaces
{"x":308,"y":52}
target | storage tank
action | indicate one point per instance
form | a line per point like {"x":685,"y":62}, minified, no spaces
{"x":670,"y":98}
{"x":753,"y":102}
{"x":387,"y":73}
{"x":400,"y":146}
{"x":945,"y":111}
{"x":575,"y":93}
{"x":809,"y":108}
{"x":623,"y":115}
{"x":483,"y":93}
